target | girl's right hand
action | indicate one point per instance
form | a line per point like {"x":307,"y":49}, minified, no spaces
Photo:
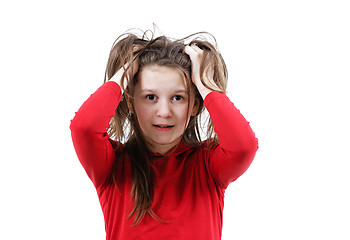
{"x":117,"y":77}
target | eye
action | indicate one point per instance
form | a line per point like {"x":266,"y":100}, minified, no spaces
{"x":178,"y":98}
{"x":151,"y":97}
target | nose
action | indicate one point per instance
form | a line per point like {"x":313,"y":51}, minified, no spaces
{"x":164,"y":109}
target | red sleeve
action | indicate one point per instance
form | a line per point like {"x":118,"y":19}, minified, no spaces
{"x":237,"y":143}
{"x":89,"y":132}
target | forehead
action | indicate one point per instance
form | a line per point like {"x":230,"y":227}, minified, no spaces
{"x":161,"y":77}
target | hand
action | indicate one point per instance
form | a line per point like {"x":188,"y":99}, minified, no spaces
{"x":196,"y":56}
{"x":117,"y":77}
{"x":135,"y":66}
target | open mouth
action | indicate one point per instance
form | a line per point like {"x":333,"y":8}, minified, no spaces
{"x":163,"y":127}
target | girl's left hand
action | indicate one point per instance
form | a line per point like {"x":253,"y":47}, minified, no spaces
{"x":196,"y":55}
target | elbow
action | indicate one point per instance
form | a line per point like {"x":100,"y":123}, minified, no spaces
{"x":248,"y":152}
{"x":78,"y":126}
{"x":246,"y":158}
{"x":82,"y":131}
{"x":250,"y":147}
{"x":82,"y":124}
{"x":254,"y":145}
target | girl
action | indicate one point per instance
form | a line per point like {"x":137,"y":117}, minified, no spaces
{"x":138,"y":138}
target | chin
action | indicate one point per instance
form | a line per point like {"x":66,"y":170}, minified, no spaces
{"x":164,"y":143}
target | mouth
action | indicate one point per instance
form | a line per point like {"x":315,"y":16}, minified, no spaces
{"x":163,"y":127}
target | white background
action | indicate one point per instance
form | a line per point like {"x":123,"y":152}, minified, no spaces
{"x":289,"y":68}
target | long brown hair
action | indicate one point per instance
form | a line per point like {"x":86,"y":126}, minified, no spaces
{"x":124,"y":127}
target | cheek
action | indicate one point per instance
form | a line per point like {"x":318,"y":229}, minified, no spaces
{"x":142,"y":114}
{"x":139,"y":111}
{"x":183,"y":115}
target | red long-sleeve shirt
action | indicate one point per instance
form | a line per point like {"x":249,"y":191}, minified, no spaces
{"x":189,"y":182}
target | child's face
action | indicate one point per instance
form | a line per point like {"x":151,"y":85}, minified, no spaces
{"x":161,"y":106}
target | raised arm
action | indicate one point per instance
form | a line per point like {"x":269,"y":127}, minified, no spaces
{"x":89,"y":131}
{"x":237,"y":143}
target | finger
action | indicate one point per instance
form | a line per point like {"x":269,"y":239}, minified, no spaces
{"x":136,"y":48}
{"x":193,"y":51}
{"x":190,"y":51}
{"x":196,"y":48}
